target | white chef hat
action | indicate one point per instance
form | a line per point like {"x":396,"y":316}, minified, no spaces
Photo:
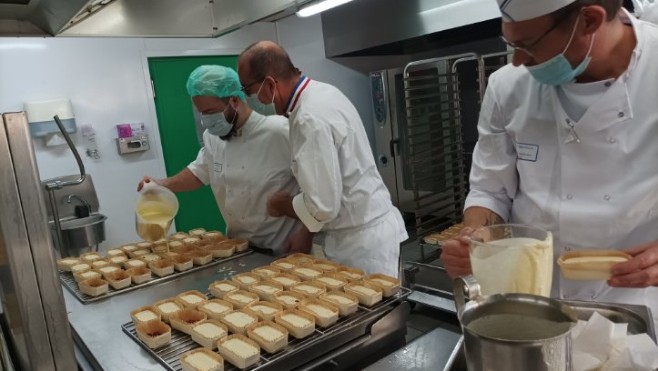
{"x":522,"y":10}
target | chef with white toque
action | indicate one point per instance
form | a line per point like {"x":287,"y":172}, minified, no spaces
{"x":567,"y":137}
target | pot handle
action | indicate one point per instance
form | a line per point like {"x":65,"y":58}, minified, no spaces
{"x":466,"y":287}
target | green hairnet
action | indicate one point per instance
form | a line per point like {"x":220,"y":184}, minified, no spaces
{"x":214,"y":81}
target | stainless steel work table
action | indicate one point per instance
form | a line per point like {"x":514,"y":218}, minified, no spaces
{"x":97,"y":326}
{"x":431,"y":351}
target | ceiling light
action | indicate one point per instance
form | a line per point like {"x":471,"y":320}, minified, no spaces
{"x":319,"y":6}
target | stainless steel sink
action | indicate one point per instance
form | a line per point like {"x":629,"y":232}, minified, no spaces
{"x":638,"y":318}
{"x":80,"y":233}
{"x":76,"y":223}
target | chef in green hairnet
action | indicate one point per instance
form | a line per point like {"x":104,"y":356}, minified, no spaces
{"x":245,"y":159}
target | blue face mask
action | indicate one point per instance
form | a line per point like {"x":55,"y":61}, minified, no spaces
{"x":216,"y":123}
{"x":262,"y":108}
{"x":557,"y":70}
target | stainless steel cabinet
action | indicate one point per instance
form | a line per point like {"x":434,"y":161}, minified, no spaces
{"x":35,"y":318}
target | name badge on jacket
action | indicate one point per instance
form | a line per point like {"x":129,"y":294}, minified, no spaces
{"x":527,"y":152}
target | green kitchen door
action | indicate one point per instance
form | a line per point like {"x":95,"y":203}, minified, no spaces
{"x":181,"y":136}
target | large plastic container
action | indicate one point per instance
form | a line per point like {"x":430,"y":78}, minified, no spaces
{"x":155,"y":209}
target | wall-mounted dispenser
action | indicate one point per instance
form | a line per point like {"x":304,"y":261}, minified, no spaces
{"x":42,"y":125}
{"x":132,"y":138}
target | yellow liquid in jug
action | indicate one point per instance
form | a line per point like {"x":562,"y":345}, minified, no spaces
{"x":153,"y":222}
{"x":519,"y":264}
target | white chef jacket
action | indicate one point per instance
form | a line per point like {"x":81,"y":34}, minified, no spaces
{"x":602,"y":193}
{"x":342,"y":191}
{"x":244,"y":172}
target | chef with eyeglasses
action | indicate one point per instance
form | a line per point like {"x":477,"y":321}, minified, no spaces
{"x":342,"y":193}
{"x":567,"y":142}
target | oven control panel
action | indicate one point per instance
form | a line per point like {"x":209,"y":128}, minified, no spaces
{"x":378,"y":97}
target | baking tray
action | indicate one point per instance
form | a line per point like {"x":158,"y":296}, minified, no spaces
{"x":67,"y":280}
{"x":322,"y":340}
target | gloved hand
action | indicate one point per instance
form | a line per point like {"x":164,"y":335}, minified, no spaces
{"x":646,"y":10}
{"x":147,"y":179}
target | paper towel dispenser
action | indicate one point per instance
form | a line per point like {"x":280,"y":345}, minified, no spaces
{"x":41,"y":123}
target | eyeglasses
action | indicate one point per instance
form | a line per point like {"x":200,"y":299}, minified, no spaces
{"x":528,"y":49}
{"x":247,"y":86}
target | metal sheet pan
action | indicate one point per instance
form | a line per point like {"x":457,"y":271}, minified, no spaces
{"x":67,"y":280}
{"x":297,"y":352}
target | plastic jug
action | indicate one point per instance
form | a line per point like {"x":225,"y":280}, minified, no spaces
{"x":512,"y":258}
{"x":155,"y":209}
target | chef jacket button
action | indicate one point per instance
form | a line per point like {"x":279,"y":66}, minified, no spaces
{"x":569,"y":196}
{"x":608,"y":84}
{"x":567,"y":248}
{"x":568,"y":121}
{"x":606,"y":197}
{"x":612,"y":140}
{"x":620,"y":114}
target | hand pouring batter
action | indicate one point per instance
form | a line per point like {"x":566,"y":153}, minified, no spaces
{"x":155,"y":210}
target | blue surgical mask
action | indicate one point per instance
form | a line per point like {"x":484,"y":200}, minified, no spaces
{"x":216,"y":123}
{"x":262,"y":108}
{"x":557,"y":70}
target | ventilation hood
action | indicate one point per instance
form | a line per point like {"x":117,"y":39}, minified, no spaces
{"x":39,"y":17}
{"x":177,"y":18}
{"x":348,"y":30}
{"x":137,"y":18}
{"x":401,"y":27}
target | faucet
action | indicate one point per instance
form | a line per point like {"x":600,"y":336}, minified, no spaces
{"x":86,"y":204}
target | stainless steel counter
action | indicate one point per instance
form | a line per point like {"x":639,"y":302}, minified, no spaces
{"x":431,"y":351}
{"x":97,"y":326}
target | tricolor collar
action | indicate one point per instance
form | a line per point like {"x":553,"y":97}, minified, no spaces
{"x":294,"y":97}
